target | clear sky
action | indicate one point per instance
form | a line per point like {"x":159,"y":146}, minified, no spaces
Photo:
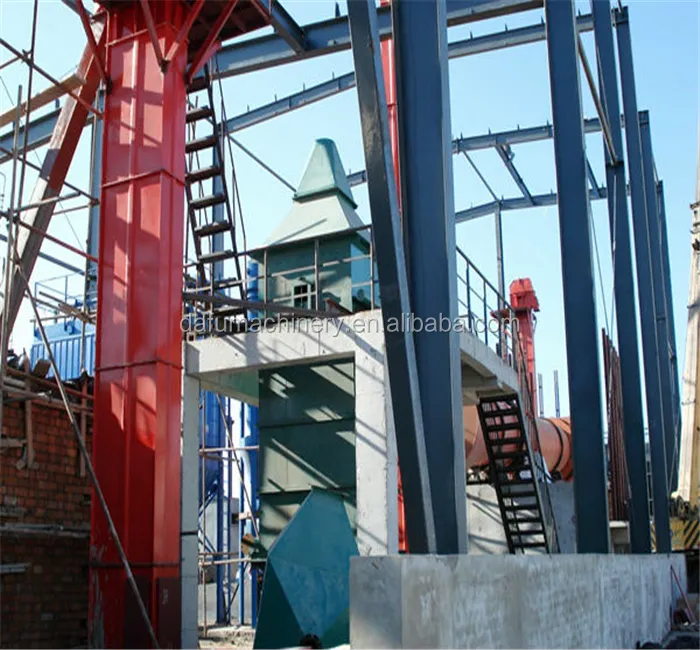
{"x":496,"y":91}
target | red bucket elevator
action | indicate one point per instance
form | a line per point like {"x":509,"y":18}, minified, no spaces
{"x":152,"y":48}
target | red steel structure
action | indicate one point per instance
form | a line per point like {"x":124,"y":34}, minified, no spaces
{"x":136,"y":448}
{"x":138,"y":351}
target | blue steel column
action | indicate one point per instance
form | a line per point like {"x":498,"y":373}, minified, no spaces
{"x":647,"y":314}
{"x":590,"y":476}
{"x":666,"y":267}
{"x":217,"y":420}
{"x":253,"y":441}
{"x":93,"y":238}
{"x":662,"y":338}
{"x":427,"y":205}
{"x":393,"y":281}
{"x":626,"y":312}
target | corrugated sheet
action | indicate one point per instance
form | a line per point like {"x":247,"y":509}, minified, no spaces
{"x":66,"y":351}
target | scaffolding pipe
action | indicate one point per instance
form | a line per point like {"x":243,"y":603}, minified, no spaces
{"x":9,"y":258}
{"x":88,"y":464}
{"x":51,"y":78}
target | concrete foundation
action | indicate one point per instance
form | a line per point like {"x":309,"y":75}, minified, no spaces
{"x":564,"y":601}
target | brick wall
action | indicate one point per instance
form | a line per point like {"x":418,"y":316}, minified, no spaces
{"x":44,"y":534}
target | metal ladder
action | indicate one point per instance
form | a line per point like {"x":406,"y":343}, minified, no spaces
{"x":527,"y":524}
{"x":209,"y":209}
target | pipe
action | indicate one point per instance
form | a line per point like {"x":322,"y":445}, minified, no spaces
{"x":554,"y":440}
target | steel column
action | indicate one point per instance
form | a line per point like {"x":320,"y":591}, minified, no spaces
{"x":652,"y":380}
{"x":136,"y":445}
{"x":500,"y":271}
{"x":626,"y":312}
{"x":393,"y":281}
{"x":666,"y":265}
{"x":590,"y":476}
{"x":660,"y":304}
{"x":423,"y":102}
{"x":93,"y":237}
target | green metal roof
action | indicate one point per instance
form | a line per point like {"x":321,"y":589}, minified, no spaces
{"x":323,"y":204}
{"x":324,"y":174}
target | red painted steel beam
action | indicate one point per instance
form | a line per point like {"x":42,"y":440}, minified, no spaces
{"x":54,"y":169}
{"x":92,"y":43}
{"x":181,"y":37}
{"x":211,"y":42}
{"x":150,"y":25}
{"x":136,"y":445}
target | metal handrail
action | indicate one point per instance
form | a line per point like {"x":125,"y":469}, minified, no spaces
{"x":539,"y":465}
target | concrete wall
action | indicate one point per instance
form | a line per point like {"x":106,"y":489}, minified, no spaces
{"x":564,"y":601}
{"x":486,"y":534}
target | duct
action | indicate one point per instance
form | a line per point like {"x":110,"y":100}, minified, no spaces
{"x":554,"y":443}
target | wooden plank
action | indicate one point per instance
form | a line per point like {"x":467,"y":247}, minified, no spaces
{"x":50,"y":94}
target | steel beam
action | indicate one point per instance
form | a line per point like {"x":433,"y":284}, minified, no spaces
{"x":284,"y":25}
{"x":666,"y":265}
{"x":472,"y":45}
{"x":64,"y":141}
{"x":595,"y":188}
{"x":393,"y":281}
{"x":308,"y":96}
{"x":54,"y":260}
{"x":647,"y":313}
{"x":333,"y":35}
{"x":291,"y":102}
{"x":516,"y":136}
{"x":590,"y":475}
{"x":626,"y":311}
{"x":660,"y":303}
{"x":517,"y":203}
{"x":507,"y":155}
{"x":40,"y":131}
{"x":427,"y":208}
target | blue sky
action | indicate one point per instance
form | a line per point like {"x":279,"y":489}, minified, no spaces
{"x":496,"y":91}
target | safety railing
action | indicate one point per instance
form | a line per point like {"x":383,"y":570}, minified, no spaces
{"x":311,"y":284}
{"x":64,"y":295}
{"x":330,"y":274}
{"x":484,"y":310}
{"x":541,"y":474}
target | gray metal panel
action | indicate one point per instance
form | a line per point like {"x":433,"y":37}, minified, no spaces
{"x":298,"y":457}
{"x":423,"y":102}
{"x":590,"y":485}
{"x":626,"y":312}
{"x":307,"y":394}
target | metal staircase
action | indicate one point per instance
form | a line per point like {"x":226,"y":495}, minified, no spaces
{"x":519,"y":482}
{"x":209,"y":209}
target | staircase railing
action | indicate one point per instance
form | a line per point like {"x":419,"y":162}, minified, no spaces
{"x":487,"y":313}
{"x":541,"y":474}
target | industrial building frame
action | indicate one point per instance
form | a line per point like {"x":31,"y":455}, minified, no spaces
{"x":417,"y":370}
